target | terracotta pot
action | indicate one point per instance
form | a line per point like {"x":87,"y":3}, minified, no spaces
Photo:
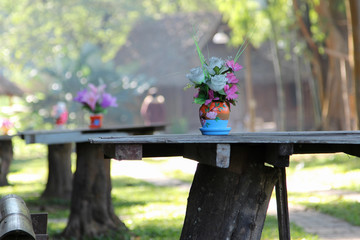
{"x":96,"y":121}
{"x":214,"y":118}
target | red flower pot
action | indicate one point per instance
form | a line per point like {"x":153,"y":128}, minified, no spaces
{"x":96,"y":121}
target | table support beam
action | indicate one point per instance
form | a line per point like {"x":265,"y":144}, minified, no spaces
{"x":282,"y":205}
{"x":92,"y":213}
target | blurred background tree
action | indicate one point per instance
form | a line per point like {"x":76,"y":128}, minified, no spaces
{"x":52,"y":48}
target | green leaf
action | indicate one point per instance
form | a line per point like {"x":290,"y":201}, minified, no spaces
{"x":199,"y":100}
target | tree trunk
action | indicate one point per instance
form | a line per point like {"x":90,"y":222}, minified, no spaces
{"x":59,"y":182}
{"x":6,"y":157}
{"x":317,"y":63}
{"x":298,"y":91}
{"x":336,"y":45}
{"x":353,"y":18}
{"x":92,"y":212}
{"x":249,"y":90}
{"x":230,"y":205}
{"x":279,"y":81}
{"x":316,"y":59}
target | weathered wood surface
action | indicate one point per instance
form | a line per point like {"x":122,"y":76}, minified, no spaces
{"x":309,"y":137}
{"x":289,"y":142}
{"x":226,"y":204}
{"x":59,"y":136}
{"x":6,"y":157}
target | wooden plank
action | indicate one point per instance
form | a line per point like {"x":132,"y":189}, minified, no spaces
{"x":323,"y":137}
{"x":123,"y":152}
{"x":223,"y":155}
{"x":39,"y":222}
{"x":211,"y":154}
{"x":278,"y":154}
{"x":57,"y":136}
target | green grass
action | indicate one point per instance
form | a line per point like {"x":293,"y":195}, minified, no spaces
{"x":153,"y":212}
{"x":329,"y":172}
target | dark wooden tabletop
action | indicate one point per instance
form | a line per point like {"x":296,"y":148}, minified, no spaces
{"x":190,"y":145}
{"x":6,"y":137}
{"x":315,"y":137}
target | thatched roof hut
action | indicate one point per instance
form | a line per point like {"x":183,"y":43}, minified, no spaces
{"x":9,"y":88}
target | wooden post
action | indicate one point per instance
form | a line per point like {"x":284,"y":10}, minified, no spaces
{"x":59,"y":182}
{"x":6,"y":156}
{"x":92,"y":212}
{"x":282,"y":206}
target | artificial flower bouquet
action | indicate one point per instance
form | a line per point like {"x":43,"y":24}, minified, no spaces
{"x":95,"y":99}
{"x":215,"y":81}
{"x":217,"y":88}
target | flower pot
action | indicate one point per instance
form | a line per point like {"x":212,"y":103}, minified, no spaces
{"x":214,"y":118}
{"x":96,"y":121}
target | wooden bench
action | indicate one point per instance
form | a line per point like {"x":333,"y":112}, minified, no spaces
{"x":16,"y":222}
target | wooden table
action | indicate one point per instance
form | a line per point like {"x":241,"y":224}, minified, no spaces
{"x":90,"y":188}
{"x":6,"y":156}
{"x":235,"y":176}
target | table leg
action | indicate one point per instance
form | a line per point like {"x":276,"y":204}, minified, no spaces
{"x":282,"y":206}
{"x":230,"y":205}
{"x":92,"y":212}
{"x":6,"y":156}
{"x":59,"y":182}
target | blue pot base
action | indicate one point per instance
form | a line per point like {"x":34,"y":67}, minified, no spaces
{"x":215,"y":131}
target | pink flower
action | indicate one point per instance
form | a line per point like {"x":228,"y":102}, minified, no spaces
{"x":231,"y":78}
{"x":233,"y":65}
{"x":6,"y":123}
{"x":211,"y":97}
{"x":231,"y":92}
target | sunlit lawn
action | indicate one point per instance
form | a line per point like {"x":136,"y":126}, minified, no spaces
{"x":153,"y":212}
{"x":325,"y":173}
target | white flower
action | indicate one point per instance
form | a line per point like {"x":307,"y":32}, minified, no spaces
{"x":196,"y":75}
{"x":214,"y":62}
{"x":217,"y":82}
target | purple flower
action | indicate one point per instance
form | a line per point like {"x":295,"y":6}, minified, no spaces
{"x":108,"y":101}
{"x":95,"y":99}
{"x":211,"y":97}
{"x":90,"y":98}
{"x":97,"y":90}
{"x":80,"y":96}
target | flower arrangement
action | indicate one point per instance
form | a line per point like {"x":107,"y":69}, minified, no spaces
{"x":60,"y":113}
{"x":95,"y":99}
{"x":6,"y":125}
{"x":215,"y":79}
